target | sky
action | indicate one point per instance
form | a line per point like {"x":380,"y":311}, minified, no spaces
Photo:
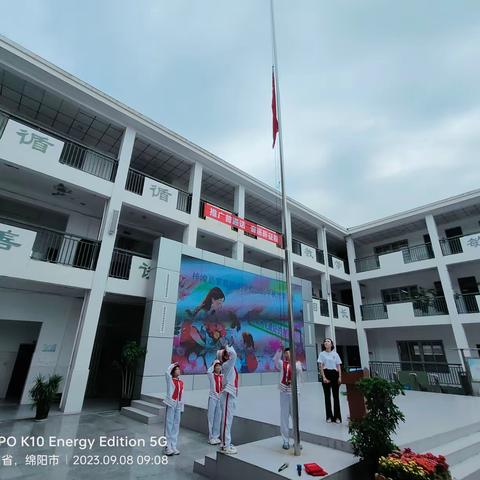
{"x":379,"y":99}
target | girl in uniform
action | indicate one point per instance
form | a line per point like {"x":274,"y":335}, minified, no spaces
{"x":174,"y":407}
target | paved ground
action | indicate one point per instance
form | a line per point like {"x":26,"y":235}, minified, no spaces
{"x":89,"y":426}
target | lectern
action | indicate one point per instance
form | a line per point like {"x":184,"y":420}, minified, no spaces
{"x":356,"y":401}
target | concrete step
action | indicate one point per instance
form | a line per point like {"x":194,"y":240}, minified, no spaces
{"x":199,"y":467}
{"x":439,"y":439}
{"x":148,"y":407}
{"x":156,"y":399}
{"x":467,"y":470}
{"x":141,"y":415}
{"x":461,"y":449}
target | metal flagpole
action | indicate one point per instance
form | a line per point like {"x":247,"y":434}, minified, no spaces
{"x":287,"y":234}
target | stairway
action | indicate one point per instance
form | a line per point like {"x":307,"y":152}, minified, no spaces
{"x":463,"y":456}
{"x":148,"y":409}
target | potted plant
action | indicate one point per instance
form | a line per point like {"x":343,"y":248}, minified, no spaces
{"x":131,"y":353}
{"x":408,"y":465}
{"x":371,"y":436}
{"x":43,"y":393}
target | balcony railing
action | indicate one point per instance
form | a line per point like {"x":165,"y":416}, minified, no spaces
{"x":89,"y":161}
{"x":335,"y":306}
{"x":451,"y":246}
{"x":73,"y":154}
{"x":467,"y":303}
{"x":297,"y":249}
{"x":122,"y":262}
{"x":331,"y":259}
{"x":415,"y":253}
{"x":324,"y":307}
{"x":3,"y":122}
{"x":441,"y":377}
{"x":59,"y":247}
{"x":430,"y":306}
{"x":374,"y":311}
{"x":136,"y":182}
{"x":366,"y":264}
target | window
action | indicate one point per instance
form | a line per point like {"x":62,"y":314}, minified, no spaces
{"x":423,"y":355}
{"x":391,"y":247}
{"x":399,"y":294}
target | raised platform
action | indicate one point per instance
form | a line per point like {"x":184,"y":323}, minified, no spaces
{"x":434,"y":421}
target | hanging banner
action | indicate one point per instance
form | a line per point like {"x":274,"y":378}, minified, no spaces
{"x":228,"y":218}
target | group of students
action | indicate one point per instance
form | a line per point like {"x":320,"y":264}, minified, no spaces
{"x":222,"y":399}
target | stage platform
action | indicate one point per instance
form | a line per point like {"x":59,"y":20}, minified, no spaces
{"x":434,"y":421}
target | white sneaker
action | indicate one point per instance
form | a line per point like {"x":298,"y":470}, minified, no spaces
{"x":169,"y":452}
{"x":214,"y":441}
{"x":231,"y":450}
{"x":176,"y":452}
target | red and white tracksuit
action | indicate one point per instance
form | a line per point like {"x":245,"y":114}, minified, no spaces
{"x":174,"y":407}
{"x":214,"y":407}
{"x":228,"y":396}
{"x":286,"y":392}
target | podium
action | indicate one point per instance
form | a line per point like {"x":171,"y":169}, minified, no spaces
{"x":356,"y":402}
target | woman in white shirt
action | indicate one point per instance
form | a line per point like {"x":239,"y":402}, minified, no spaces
{"x":330,"y":369}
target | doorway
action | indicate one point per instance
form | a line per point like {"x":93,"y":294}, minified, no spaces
{"x":17,"y":347}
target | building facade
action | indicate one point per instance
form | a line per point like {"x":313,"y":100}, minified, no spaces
{"x":99,"y":204}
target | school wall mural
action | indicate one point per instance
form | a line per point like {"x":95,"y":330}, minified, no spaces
{"x":216,"y":302}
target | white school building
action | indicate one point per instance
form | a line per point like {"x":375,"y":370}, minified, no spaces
{"x":98,"y":205}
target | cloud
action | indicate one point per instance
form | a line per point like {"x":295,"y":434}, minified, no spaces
{"x":380,"y":101}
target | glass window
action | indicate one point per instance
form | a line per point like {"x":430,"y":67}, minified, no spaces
{"x":399,"y":294}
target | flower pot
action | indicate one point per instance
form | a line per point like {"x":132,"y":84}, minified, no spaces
{"x":42,"y":410}
{"x":379,"y":476}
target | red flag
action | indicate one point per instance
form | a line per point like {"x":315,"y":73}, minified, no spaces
{"x":274,"y":111}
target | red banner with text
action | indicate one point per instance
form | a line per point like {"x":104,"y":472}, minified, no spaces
{"x":228,"y":218}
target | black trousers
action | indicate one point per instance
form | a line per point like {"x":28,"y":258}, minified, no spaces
{"x":331,"y":389}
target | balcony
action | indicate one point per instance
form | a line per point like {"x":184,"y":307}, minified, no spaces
{"x":320,"y":310}
{"x":462,"y":248}
{"x":467,"y":303}
{"x":50,"y":245}
{"x":129,"y":273}
{"x":342,"y":311}
{"x":339,"y":265}
{"x":391,"y":262}
{"x":404,"y":311}
{"x":40,"y":149}
{"x":158,"y":193}
{"x":309,"y":253}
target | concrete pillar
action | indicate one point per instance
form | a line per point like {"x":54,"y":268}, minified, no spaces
{"x":239,"y":207}
{"x":328,"y":285}
{"x":357,"y":302}
{"x":159,"y":318}
{"x":195,"y":188}
{"x":77,"y":375}
{"x":457,"y":327}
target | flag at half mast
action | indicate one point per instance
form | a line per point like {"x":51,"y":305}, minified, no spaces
{"x":274,"y":110}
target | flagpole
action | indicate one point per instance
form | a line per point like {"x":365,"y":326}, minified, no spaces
{"x":287,"y":234}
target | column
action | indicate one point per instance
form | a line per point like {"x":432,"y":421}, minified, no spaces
{"x":328,"y":286}
{"x":77,"y":376}
{"x":159,"y":319}
{"x":357,"y":302}
{"x":195,"y":188}
{"x":457,"y":327}
{"x":239,"y":207}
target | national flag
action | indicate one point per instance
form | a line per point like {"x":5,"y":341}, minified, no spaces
{"x":274,"y":111}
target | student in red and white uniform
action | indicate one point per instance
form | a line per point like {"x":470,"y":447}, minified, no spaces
{"x":228,"y":397}
{"x":214,"y":408}
{"x":283,"y":364}
{"x":174,"y":407}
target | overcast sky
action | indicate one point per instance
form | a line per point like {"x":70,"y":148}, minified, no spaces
{"x":380,"y":99}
